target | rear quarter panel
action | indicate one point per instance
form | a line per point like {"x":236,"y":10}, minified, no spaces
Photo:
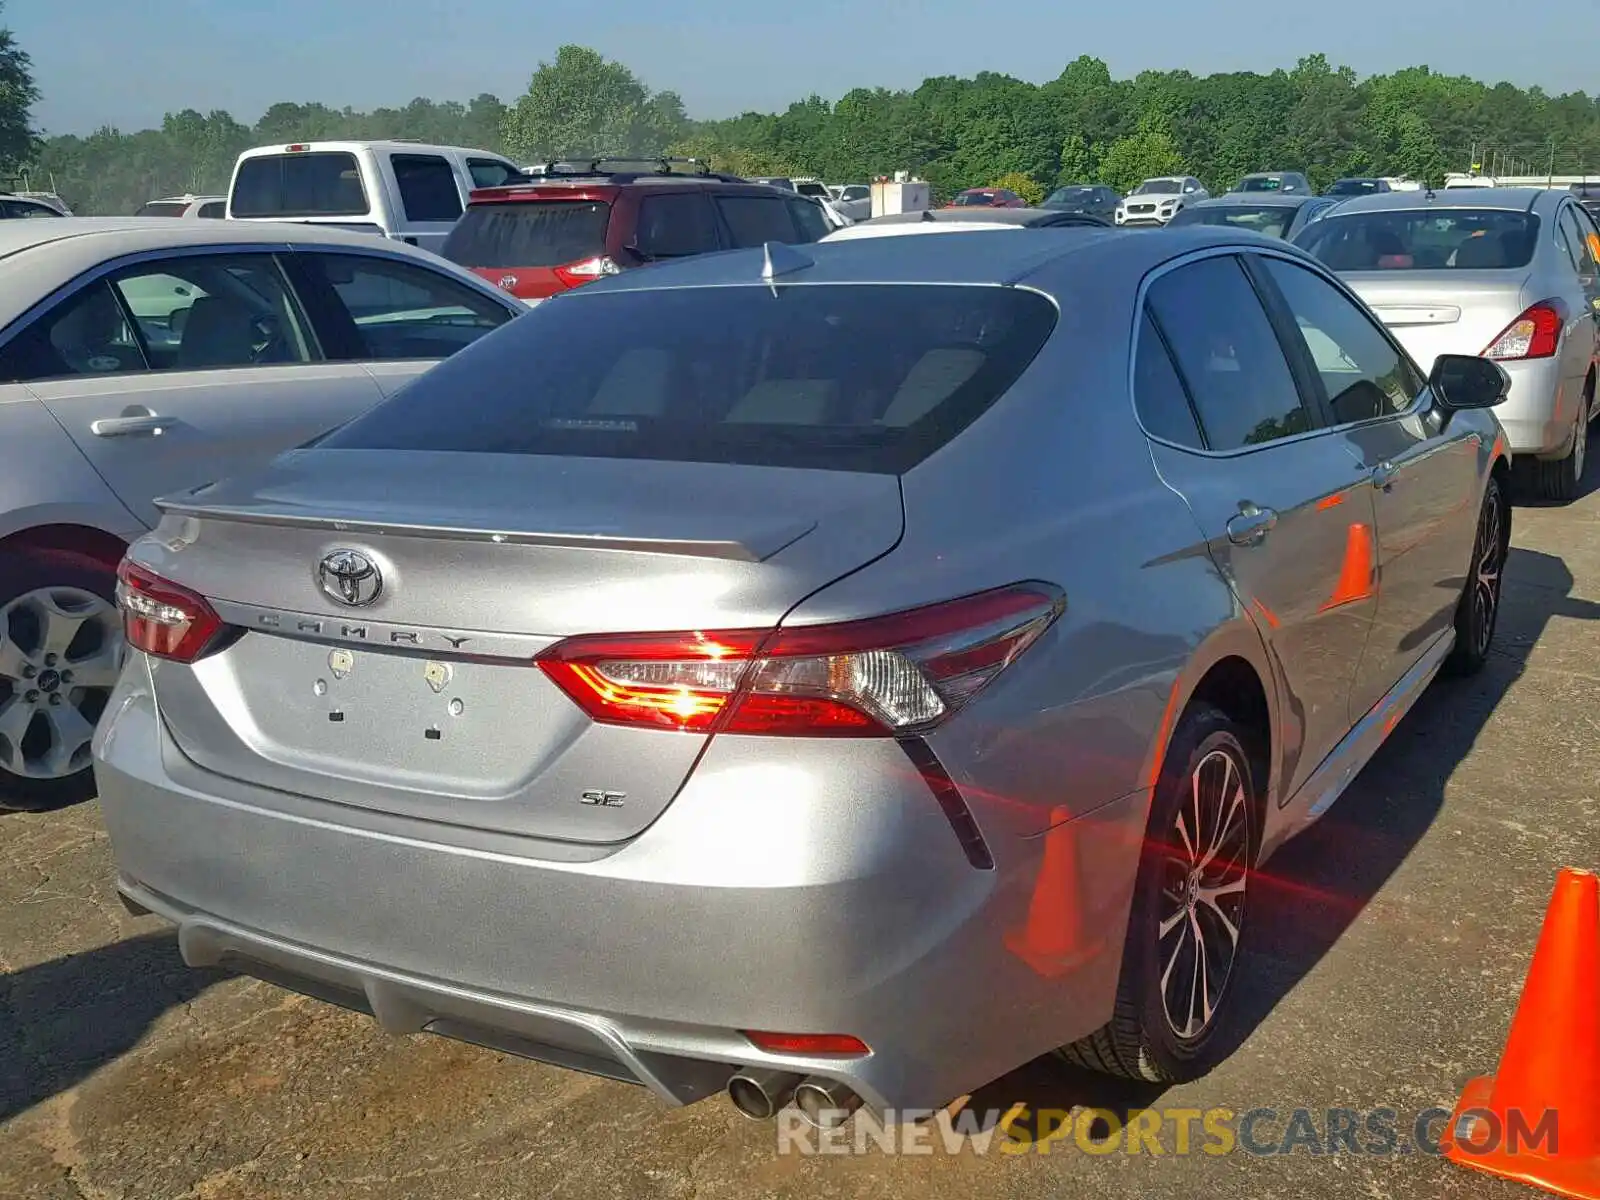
{"x":1056,"y":483}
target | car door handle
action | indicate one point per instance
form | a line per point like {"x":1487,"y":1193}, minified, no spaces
{"x":1383,"y":475}
{"x":129,"y":426}
{"x":1250,"y":524}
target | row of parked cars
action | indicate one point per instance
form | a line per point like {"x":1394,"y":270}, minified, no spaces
{"x":743,"y":597}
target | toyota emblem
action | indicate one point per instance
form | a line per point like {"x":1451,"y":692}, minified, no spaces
{"x":508,"y":282}
{"x":349,"y":577}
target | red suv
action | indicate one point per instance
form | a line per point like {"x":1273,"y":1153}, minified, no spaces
{"x":578,"y":222}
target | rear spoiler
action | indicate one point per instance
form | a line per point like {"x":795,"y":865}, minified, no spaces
{"x":184,"y":505}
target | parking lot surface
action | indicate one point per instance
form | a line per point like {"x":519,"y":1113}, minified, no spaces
{"x":1389,"y":947}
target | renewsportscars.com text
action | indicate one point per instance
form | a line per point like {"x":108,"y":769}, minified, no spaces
{"x":1261,"y":1132}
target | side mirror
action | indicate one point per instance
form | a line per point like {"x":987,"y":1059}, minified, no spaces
{"x":1462,"y":381}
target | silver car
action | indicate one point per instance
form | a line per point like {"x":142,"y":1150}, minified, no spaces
{"x":1511,"y":273}
{"x":139,"y":356}
{"x":1157,"y":201}
{"x":835,"y":674}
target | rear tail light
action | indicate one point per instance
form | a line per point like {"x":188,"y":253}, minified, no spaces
{"x":161,"y":618}
{"x":587,"y":270}
{"x":1532,"y":335}
{"x":886,"y":676}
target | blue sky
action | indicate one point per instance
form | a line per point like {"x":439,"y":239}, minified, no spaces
{"x":113,"y":62}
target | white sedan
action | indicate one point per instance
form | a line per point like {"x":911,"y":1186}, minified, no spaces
{"x":143,"y":356}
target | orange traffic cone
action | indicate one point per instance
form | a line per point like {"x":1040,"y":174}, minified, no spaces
{"x":1053,"y":941}
{"x":1538,"y":1119}
{"x":1355,"y":576}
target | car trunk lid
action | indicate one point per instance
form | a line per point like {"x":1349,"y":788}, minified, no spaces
{"x":1443,"y":312}
{"x":425,"y":702}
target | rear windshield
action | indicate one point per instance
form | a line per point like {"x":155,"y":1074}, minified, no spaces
{"x":320,"y":184}
{"x":1260,"y":183}
{"x":1270,"y":219}
{"x":536,"y":233}
{"x":982,"y":198}
{"x":1462,"y":239}
{"x":1352,"y":187}
{"x":860,"y":378}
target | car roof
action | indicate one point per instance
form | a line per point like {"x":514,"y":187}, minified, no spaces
{"x":47,"y":254}
{"x":351,"y":147}
{"x":534,"y":185}
{"x":923,"y":260}
{"x":1257,"y":199}
{"x":983,"y":216}
{"x":1518,"y":199}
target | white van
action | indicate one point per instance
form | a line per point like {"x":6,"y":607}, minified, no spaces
{"x":402,"y":190}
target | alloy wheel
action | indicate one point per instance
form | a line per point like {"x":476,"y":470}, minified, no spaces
{"x":60,"y":653}
{"x":1488,"y":560}
{"x":1203,"y":886}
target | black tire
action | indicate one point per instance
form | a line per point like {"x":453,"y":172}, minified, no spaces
{"x":1142,"y":1040}
{"x":71,"y":578}
{"x":1478,"y":610}
{"x":1560,"y":480}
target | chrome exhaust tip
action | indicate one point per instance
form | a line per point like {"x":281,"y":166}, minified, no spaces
{"x":825,"y":1104}
{"x":760,"y":1093}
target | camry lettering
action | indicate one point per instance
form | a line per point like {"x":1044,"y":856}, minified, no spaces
{"x":358,"y":633}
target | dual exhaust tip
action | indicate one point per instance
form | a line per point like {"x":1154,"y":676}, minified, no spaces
{"x":761,"y":1094}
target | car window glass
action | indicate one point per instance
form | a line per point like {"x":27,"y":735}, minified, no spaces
{"x":86,"y":334}
{"x":755,"y":220}
{"x":214,"y":210}
{"x":491,"y":172}
{"x":863,"y":377}
{"x":1583,"y":253}
{"x":1365,"y":376}
{"x":1228,"y":354}
{"x":675,"y":224}
{"x":24,"y":210}
{"x":399,"y":310}
{"x":808,"y":219}
{"x":427,"y":187}
{"x":190,"y":314}
{"x":1158,"y":393}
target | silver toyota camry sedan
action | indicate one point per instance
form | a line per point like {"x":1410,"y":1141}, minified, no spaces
{"x":1510,"y":273}
{"x":837,"y":675}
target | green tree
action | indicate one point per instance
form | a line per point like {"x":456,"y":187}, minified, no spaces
{"x":1148,"y":153}
{"x":585,"y":104}
{"x":1023,"y":185}
{"x":1076,"y":164}
{"x":18,"y":95}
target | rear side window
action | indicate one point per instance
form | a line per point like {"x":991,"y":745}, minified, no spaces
{"x":214,"y":210}
{"x":756,"y":220}
{"x":811,"y":225}
{"x":1159,"y":394}
{"x":24,"y":210}
{"x":675,"y":225}
{"x":427,"y":187}
{"x":864,"y":378}
{"x":1228,"y":355}
{"x":1460,"y":239}
{"x":383,"y":309}
{"x":491,"y":172}
{"x":162,"y":208}
{"x":533,"y":233}
{"x":320,"y":184}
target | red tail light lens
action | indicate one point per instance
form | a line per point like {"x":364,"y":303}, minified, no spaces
{"x":161,"y":618}
{"x":587,"y":271}
{"x":842,"y":1044}
{"x":883,"y":677}
{"x":1534,"y":334}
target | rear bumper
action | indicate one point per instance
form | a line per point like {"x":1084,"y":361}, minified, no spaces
{"x":771,"y":895}
{"x":1535,"y":423}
